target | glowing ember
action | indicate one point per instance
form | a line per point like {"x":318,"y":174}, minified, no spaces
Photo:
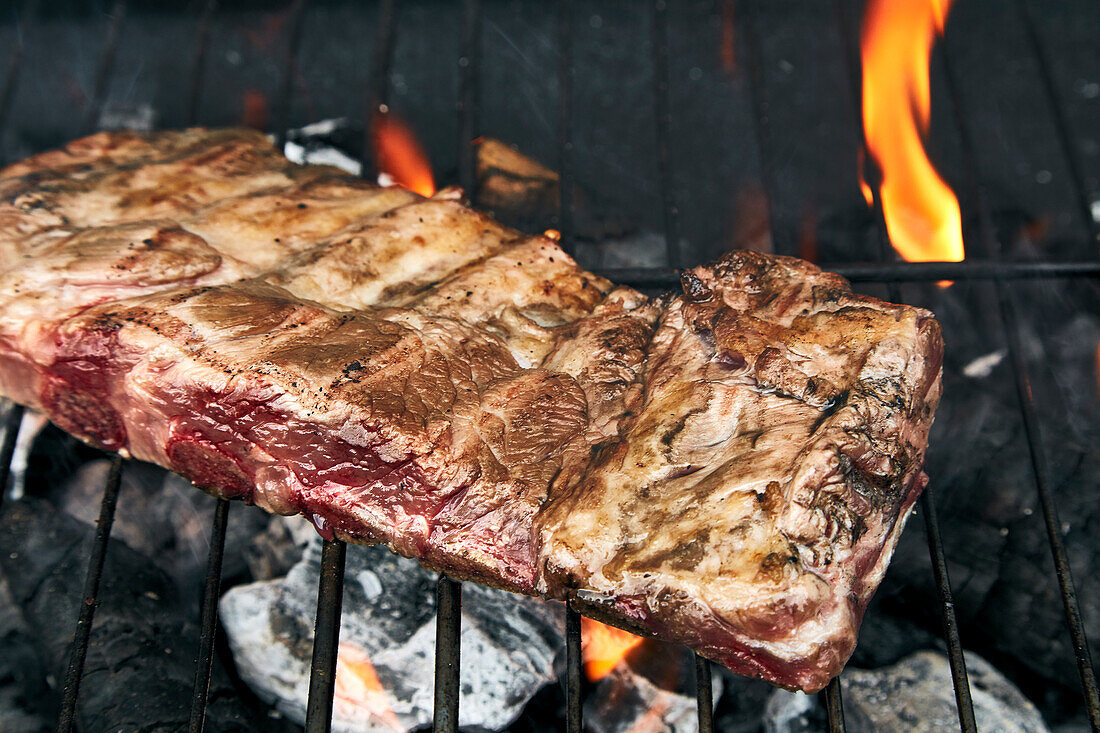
{"x":921,"y":212}
{"x":357,"y":683}
{"x":603,"y":647}
{"x":399,"y":155}
{"x":727,"y":52}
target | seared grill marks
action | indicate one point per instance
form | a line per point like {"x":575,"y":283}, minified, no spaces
{"x":730,"y":468}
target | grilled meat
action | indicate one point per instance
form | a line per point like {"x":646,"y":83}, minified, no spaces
{"x":730,"y":467}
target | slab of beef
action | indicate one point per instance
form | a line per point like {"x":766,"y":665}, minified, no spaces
{"x":729,"y":467}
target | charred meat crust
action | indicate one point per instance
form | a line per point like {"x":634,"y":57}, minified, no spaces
{"x":729,"y":467}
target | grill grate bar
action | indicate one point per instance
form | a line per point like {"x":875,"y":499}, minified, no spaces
{"x":448,"y":634}
{"x":15,"y":62}
{"x":781,"y":244}
{"x":899,"y":272}
{"x":1071,"y":608}
{"x":290,"y":63}
{"x":566,"y":75}
{"x":198,"y":63}
{"x":573,"y":682}
{"x":378,"y":88}
{"x":834,"y":705}
{"x":1011,"y":324}
{"x":469,"y":64}
{"x":105,"y":69}
{"x":9,"y":433}
{"x":89,"y":600}
{"x":1070,"y":151}
{"x":960,"y":679}
{"x":211,"y":593}
{"x":326,"y":637}
{"x":964,"y":703}
{"x":704,"y":695}
{"x":448,"y":621}
{"x":663,"y":115}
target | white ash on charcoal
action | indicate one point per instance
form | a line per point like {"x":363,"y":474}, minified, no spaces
{"x":123,"y":115}
{"x":335,"y":142}
{"x":384,"y":679}
{"x":139,"y":669}
{"x":652,"y":690}
{"x":913,"y":695}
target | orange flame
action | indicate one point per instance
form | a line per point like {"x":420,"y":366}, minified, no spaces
{"x":922,"y":214}
{"x":603,"y":647}
{"x":357,"y":683}
{"x":864,"y":187}
{"x":399,"y":155}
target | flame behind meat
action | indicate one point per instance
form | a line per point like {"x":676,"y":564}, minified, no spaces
{"x":603,"y":647}
{"x":357,"y":684}
{"x":922,"y":214}
{"x":399,"y":156}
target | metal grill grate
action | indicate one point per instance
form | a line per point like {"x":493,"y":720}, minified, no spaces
{"x":1003,"y":274}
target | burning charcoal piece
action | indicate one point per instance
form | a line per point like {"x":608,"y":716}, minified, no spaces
{"x":273,"y":552}
{"x":387,"y":643}
{"x":26,"y":702}
{"x":163,"y":517}
{"x":328,"y":142}
{"x":913,"y":695}
{"x":990,"y":519}
{"x":652,"y":690}
{"x":139,"y":670}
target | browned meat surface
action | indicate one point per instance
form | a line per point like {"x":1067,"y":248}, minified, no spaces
{"x":729,"y":468}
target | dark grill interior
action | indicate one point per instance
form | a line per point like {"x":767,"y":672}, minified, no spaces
{"x":645,"y":146}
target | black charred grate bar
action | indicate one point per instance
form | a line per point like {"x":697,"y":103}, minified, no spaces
{"x":322,"y":673}
{"x":1002,"y":273}
{"x":211,"y":593}
{"x":88,"y":599}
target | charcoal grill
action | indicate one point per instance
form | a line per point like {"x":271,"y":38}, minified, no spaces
{"x":980,"y":239}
